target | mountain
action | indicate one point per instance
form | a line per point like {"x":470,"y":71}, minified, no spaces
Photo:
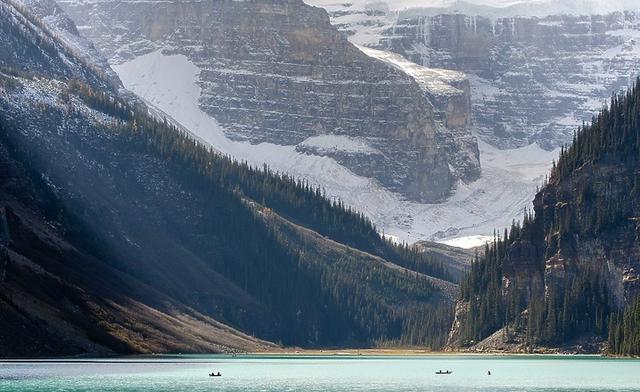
{"x":456,"y":260}
{"x":276,"y":72}
{"x":563,"y":277}
{"x":535,"y":79}
{"x":318,"y":111}
{"x":537,"y":70}
{"x":119,"y":232}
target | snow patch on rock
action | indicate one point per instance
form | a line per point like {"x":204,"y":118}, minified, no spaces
{"x":328,"y":144}
{"x":440,"y":81}
{"x":469,"y":242}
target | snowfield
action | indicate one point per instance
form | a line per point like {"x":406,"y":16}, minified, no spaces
{"x":507,"y":186}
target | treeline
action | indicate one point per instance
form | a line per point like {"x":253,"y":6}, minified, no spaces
{"x":427,"y":326}
{"x":494,"y":306}
{"x":38,"y":47}
{"x":579,"y":202}
{"x":614,"y":133}
{"x":563,"y":310}
{"x":624,"y":331}
{"x":483,"y":288}
{"x":576,"y":306}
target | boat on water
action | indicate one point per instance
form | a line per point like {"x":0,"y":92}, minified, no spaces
{"x":446,"y":372}
{"x":215,"y":374}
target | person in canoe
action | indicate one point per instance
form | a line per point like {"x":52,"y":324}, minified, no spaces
{"x":441,"y":372}
{"x":215,"y":374}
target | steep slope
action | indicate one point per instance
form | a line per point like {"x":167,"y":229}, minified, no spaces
{"x":120,"y":233}
{"x":449,"y":94}
{"x":65,"y":31}
{"x":154,"y":77}
{"x":560,"y":278}
{"x":534,"y":80}
{"x":277,"y":72}
{"x":456,"y":260}
{"x":537,"y":69}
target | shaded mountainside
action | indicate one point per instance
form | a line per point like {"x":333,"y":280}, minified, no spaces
{"x":561,"y":278}
{"x":456,"y":260}
{"x":119,"y":233}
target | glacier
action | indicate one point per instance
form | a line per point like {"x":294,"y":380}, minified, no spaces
{"x":469,"y":217}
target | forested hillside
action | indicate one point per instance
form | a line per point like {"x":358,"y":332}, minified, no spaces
{"x":624,"y":331}
{"x":564,"y":276}
{"x":120,"y":233}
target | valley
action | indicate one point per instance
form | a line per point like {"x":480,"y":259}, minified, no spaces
{"x":483,"y":205}
{"x":220,"y":176}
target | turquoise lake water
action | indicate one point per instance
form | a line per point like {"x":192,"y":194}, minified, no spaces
{"x":279,"y":373}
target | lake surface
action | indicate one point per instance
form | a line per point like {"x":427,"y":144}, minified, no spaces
{"x":334,"y":373}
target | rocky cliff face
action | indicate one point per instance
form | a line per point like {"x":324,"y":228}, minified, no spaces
{"x":449,"y":94}
{"x":278,"y":72}
{"x":534,"y":79}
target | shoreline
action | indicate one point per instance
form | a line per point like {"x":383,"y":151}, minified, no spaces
{"x":408,"y":352}
{"x":299,"y":352}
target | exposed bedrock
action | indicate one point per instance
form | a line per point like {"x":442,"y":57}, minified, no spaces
{"x":278,"y":72}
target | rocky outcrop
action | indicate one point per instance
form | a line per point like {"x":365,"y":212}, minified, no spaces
{"x":455,"y":339}
{"x":449,"y":94}
{"x":278,"y":72}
